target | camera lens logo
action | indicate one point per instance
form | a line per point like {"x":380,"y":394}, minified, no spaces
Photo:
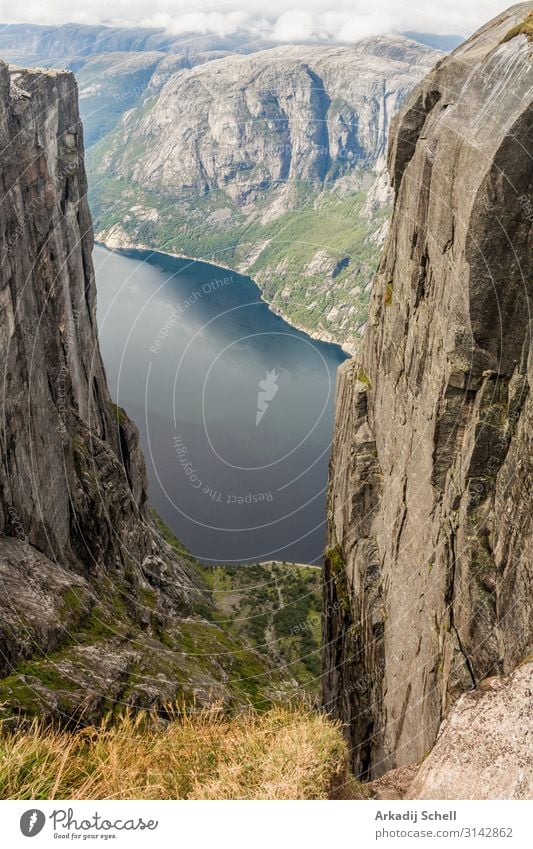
{"x":32,"y":822}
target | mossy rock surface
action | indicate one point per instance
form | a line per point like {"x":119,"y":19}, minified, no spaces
{"x":117,"y":649}
{"x":523,"y":28}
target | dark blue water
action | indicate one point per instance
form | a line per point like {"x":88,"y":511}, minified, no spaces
{"x":234,"y":406}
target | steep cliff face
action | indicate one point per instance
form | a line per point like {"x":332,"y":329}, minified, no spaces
{"x":95,"y":606}
{"x":291,"y":113}
{"x":263,"y":162}
{"x":429,"y":568}
{"x":115,"y":67}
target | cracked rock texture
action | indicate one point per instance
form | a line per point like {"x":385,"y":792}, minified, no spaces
{"x":428,"y":574}
{"x":96,"y":609}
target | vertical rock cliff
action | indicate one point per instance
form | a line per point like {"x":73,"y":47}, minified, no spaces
{"x":428,"y":572}
{"x":73,"y":482}
{"x":95,"y":607}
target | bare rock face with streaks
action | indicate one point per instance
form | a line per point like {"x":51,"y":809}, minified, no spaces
{"x":242,"y":124}
{"x":429,"y":568}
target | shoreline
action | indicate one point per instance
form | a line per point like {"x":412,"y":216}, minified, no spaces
{"x":288,"y":563}
{"x":319,"y":336}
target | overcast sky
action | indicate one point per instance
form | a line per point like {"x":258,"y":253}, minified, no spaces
{"x":346,"y":20}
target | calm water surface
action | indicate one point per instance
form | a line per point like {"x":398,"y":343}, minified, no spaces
{"x":234,"y":406}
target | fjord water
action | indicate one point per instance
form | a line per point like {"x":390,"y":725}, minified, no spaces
{"x":234,"y":406}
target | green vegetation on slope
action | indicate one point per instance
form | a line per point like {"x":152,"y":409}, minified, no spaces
{"x":318,"y":263}
{"x":198,"y":657}
{"x":314,"y":262}
{"x":273,"y":607}
{"x":276,"y":608}
{"x":194,"y":658}
{"x":524,"y":28}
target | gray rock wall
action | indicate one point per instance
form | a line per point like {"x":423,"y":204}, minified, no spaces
{"x":244,"y":124}
{"x":262,"y":162}
{"x":73,"y":474}
{"x":429,"y":566}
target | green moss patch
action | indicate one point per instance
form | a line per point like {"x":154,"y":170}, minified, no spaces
{"x":336,"y":568}
{"x":363,"y":378}
{"x":524,"y":28}
{"x":276,"y":607}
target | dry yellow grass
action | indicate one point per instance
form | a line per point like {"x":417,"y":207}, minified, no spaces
{"x":285,"y":753}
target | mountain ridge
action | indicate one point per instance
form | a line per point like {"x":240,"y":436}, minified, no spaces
{"x":277,"y":152}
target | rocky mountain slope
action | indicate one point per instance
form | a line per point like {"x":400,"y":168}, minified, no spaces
{"x":429,"y":569}
{"x":71,"y":44}
{"x":115,"y":66}
{"x":264,"y":162}
{"x":288,"y":221}
{"x":97,"y":611}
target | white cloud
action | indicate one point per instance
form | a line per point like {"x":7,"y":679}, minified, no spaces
{"x":200,"y":23}
{"x":294,"y":25}
{"x":346,"y":20}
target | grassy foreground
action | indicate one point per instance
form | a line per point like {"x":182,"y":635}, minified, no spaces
{"x":285,"y":753}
